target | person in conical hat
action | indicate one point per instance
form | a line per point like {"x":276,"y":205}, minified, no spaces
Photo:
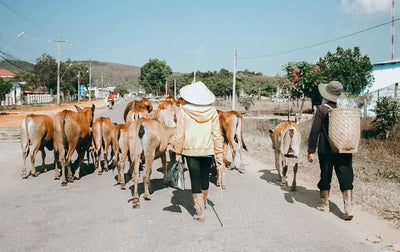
{"x":341,"y":162}
{"x":198,"y":139}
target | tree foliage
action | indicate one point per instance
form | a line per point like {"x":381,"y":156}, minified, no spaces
{"x":121,"y":89}
{"x":349,"y":67}
{"x":5,"y":88}
{"x":153,"y":75}
{"x":387,"y":115}
{"x":45,"y":72}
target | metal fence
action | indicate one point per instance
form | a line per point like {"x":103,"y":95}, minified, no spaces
{"x":38,"y":98}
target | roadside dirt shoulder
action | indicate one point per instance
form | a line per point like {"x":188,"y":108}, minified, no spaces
{"x":13,"y":117}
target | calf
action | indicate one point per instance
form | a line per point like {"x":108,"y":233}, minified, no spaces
{"x":36,"y":133}
{"x":148,"y":140}
{"x":101,"y":141}
{"x":286,"y":140}
{"x":231,"y":123}
{"x":72,"y":131}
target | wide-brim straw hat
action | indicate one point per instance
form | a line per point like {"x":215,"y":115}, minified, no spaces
{"x":197,"y":93}
{"x":332,"y":91}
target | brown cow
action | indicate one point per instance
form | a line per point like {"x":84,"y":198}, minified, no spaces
{"x":136,"y":113}
{"x":143,"y":103}
{"x":121,"y":150}
{"x":231,"y":123}
{"x":101,"y":141}
{"x":166,"y":113}
{"x":72,"y":131}
{"x":286,"y":141}
{"x":36,"y":133}
{"x":148,"y":140}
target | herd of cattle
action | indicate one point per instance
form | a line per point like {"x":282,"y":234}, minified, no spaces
{"x":145,"y":136}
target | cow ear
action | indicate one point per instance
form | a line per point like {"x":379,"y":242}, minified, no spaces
{"x":77,"y":108}
{"x":93,"y":107}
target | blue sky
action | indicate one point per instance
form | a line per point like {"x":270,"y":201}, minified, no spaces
{"x":192,"y":35}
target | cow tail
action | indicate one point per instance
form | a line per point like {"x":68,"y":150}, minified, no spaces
{"x":62,"y":129}
{"x":240,"y":121}
{"x":141,"y":131}
{"x":27,"y":143}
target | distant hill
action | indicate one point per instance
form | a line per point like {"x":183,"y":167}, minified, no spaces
{"x":16,"y":65}
{"x":114,"y":74}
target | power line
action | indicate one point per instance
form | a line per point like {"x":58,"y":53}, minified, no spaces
{"x":320,"y":43}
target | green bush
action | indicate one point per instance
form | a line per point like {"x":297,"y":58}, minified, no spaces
{"x":246,"y":102}
{"x":387,"y":115}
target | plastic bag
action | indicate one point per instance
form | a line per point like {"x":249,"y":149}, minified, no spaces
{"x":175,"y":177}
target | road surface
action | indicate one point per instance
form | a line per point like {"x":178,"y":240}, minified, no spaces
{"x":93,"y":214}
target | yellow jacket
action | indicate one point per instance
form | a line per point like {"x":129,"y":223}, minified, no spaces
{"x":198,"y":132}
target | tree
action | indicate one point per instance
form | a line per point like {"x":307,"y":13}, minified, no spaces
{"x":5,"y":88}
{"x":387,"y":115}
{"x":153,"y":76}
{"x":349,"y":67}
{"x":71,"y":69}
{"x":121,"y":89}
{"x":45,"y":72}
{"x":304,"y":79}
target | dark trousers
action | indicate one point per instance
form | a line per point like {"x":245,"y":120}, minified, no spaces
{"x":199,"y":169}
{"x":343,"y":169}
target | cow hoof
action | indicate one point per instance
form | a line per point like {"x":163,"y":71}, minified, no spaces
{"x":36,"y":174}
{"x":135,"y":203}
{"x":71,"y":179}
{"x":147,"y":197}
{"x":24,"y":175}
{"x":223,"y":186}
{"x":63,"y":183}
{"x":100,"y":173}
{"x":56,"y":178}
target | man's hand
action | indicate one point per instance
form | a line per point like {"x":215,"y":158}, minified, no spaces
{"x":178,"y":158}
{"x":310,"y":157}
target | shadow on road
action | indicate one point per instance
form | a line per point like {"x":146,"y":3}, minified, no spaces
{"x":156,"y":184}
{"x":303,"y":195}
{"x":181,"y":198}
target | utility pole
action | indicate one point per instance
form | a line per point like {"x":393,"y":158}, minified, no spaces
{"x":234,"y":80}
{"x":166,"y":88}
{"x":58,"y":41}
{"x":102,"y":84}
{"x":90,"y":80}
{"x":174,"y":88}
{"x":79,"y":78}
{"x":393,"y":29}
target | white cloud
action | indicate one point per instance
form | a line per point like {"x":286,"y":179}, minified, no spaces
{"x":366,"y":7}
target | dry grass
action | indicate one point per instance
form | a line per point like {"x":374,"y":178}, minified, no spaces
{"x":376,"y":167}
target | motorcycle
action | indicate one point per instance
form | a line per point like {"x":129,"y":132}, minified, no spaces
{"x":110,"y":104}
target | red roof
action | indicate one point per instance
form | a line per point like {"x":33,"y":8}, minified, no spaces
{"x":6,"y":73}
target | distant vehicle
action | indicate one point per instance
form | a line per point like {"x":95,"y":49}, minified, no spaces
{"x":276,"y":98}
{"x":110,"y":104}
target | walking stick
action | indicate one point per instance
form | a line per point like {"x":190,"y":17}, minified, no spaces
{"x":222,"y":195}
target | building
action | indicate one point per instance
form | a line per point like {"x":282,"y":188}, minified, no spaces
{"x":386,"y":80}
{"x":5,"y":74}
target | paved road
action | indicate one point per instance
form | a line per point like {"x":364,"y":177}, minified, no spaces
{"x":93,"y":214}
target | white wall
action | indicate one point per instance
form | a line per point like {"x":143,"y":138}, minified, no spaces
{"x":385,"y":75}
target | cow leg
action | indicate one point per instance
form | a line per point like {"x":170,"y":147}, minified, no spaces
{"x":135,"y":176}
{"x":106,"y":147}
{"x":81,"y":156}
{"x":221,"y":176}
{"x":284,"y":177}
{"x":33,"y":158}
{"x":71,"y":149}
{"x":146,"y":176}
{"x":295,"y":167}
{"x":121,"y":170}
{"x":98,"y":161}
{"x":278,"y":163}
{"x":224,"y":155}
{"x":163,"y":163}
{"x":25,"y":153}
{"x":56,"y":163}
{"x":43,"y":159}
